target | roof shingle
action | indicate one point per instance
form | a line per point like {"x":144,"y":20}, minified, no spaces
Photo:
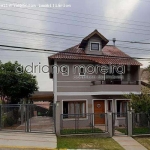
{"x":111,"y":55}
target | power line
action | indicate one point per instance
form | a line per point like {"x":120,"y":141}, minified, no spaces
{"x":52,"y":42}
{"x":141,"y":49}
{"x":38,"y":33}
{"x":76,"y":24}
{"x":134,"y":42}
{"x":27,"y":49}
{"x":135,"y":48}
{"x":56,"y":35}
{"x":79,"y":20}
{"x":40,"y":29}
{"x":37,"y":44}
{"x":77,"y":12}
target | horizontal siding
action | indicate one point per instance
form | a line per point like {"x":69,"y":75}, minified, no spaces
{"x":100,"y":88}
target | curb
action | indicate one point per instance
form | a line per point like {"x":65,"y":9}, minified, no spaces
{"x":28,"y":147}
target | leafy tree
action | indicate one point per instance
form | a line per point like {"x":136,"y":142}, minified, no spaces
{"x":15,"y":82}
{"x":140,"y":103}
{"x":148,"y":68}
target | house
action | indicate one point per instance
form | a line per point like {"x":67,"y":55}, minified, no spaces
{"x":92,"y":77}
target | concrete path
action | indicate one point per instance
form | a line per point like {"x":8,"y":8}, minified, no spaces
{"x":27,"y":140}
{"x":128,"y":143}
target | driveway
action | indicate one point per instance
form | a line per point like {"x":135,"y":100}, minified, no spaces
{"x":39,"y":124}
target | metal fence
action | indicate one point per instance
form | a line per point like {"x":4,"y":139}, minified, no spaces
{"x":120,"y":124}
{"x":27,"y":117}
{"x":140,"y":123}
{"x":83,"y":123}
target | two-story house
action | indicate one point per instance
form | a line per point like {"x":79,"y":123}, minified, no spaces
{"x":93,"y":77}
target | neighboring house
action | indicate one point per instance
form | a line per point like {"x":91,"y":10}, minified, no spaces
{"x":92,"y":77}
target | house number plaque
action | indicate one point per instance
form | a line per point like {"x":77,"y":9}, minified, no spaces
{"x":98,"y":105}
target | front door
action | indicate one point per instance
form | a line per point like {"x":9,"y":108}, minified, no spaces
{"x":99,"y":112}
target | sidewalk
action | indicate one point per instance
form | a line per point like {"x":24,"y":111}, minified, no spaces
{"x":27,"y":140}
{"x":128,"y":143}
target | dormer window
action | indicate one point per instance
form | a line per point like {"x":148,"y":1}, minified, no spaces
{"x":95,"y":46}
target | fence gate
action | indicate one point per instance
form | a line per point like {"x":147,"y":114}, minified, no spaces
{"x":120,"y":124}
{"x":27,"y":118}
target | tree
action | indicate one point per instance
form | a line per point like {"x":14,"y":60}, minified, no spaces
{"x":148,"y":68}
{"x":15,"y":82}
{"x":140,"y":103}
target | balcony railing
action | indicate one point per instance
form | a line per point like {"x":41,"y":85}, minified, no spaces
{"x":104,"y":82}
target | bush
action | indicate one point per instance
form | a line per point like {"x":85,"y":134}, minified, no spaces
{"x":9,"y":121}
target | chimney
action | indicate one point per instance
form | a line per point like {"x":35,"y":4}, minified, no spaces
{"x":114,"y":40}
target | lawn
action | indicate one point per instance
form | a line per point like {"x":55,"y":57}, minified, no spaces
{"x":136,"y":131}
{"x":80,"y":131}
{"x":141,"y":130}
{"x":145,"y":141}
{"x":88,"y":142}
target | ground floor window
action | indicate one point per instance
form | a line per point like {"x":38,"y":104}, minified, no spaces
{"x":121,"y":108}
{"x":72,"y":109}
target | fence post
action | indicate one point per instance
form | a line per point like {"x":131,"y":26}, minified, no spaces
{"x":57,"y":118}
{"x":27,"y":111}
{"x":110,"y":123}
{"x":129,"y":123}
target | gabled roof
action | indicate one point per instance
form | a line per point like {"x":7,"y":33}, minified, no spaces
{"x":95,"y":32}
{"x":111,"y":55}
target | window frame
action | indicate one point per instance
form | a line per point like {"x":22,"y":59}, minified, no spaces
{"x":99,"y":46}
{"x":122,"y":102}
{"x":75,"y":102}
{"x":82,"y":73}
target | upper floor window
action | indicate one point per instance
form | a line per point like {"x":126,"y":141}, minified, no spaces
{"x":82,"y":71}
{"x":95,"y":46}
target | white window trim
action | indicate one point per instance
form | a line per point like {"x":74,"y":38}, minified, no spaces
{"x":86,"y":105}
{"x":96,"y":43}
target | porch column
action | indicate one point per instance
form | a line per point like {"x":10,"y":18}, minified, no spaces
{"x":129,"y":123}
{"x":110,"y":123}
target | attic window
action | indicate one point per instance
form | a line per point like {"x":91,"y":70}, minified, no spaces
{"x":95,"y":46}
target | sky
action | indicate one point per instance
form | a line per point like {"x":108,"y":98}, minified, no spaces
{"x":125,"y":20}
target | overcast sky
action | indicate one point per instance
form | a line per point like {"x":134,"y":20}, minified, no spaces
{"x":126,"y":20}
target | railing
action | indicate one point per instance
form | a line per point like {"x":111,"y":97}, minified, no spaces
{"x":88,"y":123}
{"x":103,"y":82}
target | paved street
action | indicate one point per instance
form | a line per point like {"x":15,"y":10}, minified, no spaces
{"x":27,"y":140}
